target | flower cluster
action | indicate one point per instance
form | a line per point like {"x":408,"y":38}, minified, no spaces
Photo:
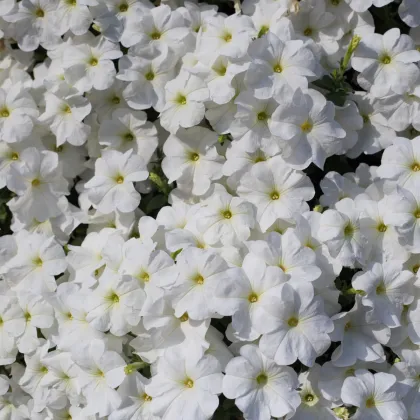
{"x":170,"y":249}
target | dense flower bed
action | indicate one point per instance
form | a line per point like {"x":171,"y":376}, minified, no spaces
{"x":209,"y":210}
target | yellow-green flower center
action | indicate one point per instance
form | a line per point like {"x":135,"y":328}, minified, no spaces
{"x":194,"y":156}
{"x":262,"y":379}
{"x":307,"y":126}
{"x":382,"y":228}
{"x":123,"y":7}
{"x":227,"y":214}
{"x":385,"y":59}
{"x":253,"y":297}
{"x":381,"y":289}
{"x":262,"y":116}
{"x":184,"y":317}
{"x":275,"y":195}
{"x":149,"y":75}
{"x":199,"y":279}
{"x":155,"y":35}
{"x":278,"y":68}
{"x":292,"y":322}
{"x":189,"y":383}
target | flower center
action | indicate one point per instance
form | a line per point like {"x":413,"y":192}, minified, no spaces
{"x":36,"y":182}
{"x":128,"y":137}
{"x":221,"y":71}
{"x":227,"y":214}
{"x":116,"y":100}
{"x":146,"y":397}
{"x":417,"y":214}
{"x":253,"y":297}
{"x":292,"y":322}
{"x":119,"y":179}
{"x":307,"y":32}
{"x":349,"y":230}
{"x":306,"y":127}
{"x":27,"y":316}
{"x":123,"y":7}
{"x":155,"y":35}
{"x":262,"y":379}
{"x":194,"y":156}
{"x":39,"y":13}
{"x":382,"y":228}
{"x":113,"y":297}
{"x":181,"y":99}
{"x":416,"y":268}
{"x":415,"y":167}
{"x":37,"y":261}
{"x":67,"y":109}
{"x":278,"y":68}
{"x":184,"y":317}
{"x":189,"y":383}
{"x":274,"y":195}
{"x":309,"y":398}
{"x":227,"y":37}
{"x":199,"y":279}
{"x":347,"y":326}
{"x":149,"y":75}
{"x":144,"y":276}
{"x":93,"y":62}
{"x":381,"y":289}
{"x":370,"y":402}
{"x":385,"y":59}
{"x":14,"y":156}
{"x":366,"y":119}
{"x":5,"y":113}
{"x":262,"y":116}
{"x":71,"y":2}
{"x":335,"y":2}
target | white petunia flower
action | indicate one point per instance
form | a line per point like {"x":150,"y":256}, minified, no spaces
{"x":276,"y":190}
{"x":192,"y":158}
{"x":17,"y":113}
{"x":387,"y":288}
{"x":64,"y":113}
{"x":225,"y":219}
{"x":299,"y":327}
{"x":185,"y":384}
{"x":275,"y":63}
{"x":360,"y":338}
{"x":112,"y":186}
{"x":386,"y":63}
{"x":185,"y":96}
{"x":261,"y":388}
{"x":340,"y":231}
{"x":307,"y":120}
{"x":377,"y":396}
{"x":90,"y":65}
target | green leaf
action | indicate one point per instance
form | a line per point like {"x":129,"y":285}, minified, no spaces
{"x":157,"y":202}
